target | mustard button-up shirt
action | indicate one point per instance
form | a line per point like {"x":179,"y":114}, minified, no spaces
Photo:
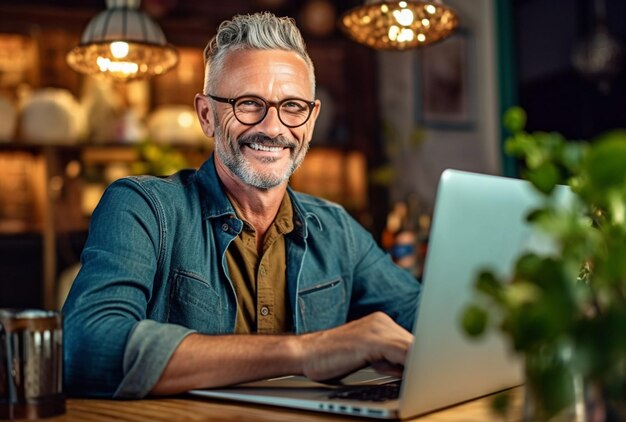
{"x":260,"y":280}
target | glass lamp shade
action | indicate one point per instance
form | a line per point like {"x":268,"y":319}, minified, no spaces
{"x":123,"y":43}
{"x":399,"y":25}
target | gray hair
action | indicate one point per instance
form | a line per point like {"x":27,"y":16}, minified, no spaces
{"x":259,"y":31}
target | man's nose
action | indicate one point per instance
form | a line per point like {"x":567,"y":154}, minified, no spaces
{"x":271,"y":124}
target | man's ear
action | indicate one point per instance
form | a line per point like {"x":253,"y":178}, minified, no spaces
{"x":316,"y":111}
{"x":313,"y":118}
{"x":204,"y":111}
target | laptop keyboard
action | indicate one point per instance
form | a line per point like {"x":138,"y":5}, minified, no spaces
{"x":382,"y":392}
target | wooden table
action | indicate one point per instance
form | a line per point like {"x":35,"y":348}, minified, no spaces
{"x":186,"y":408}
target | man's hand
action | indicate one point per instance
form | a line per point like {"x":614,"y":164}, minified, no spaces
{"x":374,"y":340}
{"x":215,"y":361}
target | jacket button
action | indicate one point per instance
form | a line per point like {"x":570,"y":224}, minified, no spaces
{"x":225,"y":227}
{"x":265,"y":311}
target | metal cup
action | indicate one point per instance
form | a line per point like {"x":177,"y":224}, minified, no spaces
{"x":31,"y":364}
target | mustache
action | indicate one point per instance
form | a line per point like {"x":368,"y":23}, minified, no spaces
{"x":261,"y":139}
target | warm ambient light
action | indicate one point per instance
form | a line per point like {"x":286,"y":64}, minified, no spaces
{"x":186,"y":119}
{"x":398,"y":25}
{"x":123,"y":43}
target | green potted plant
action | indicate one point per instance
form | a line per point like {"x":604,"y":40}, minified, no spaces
{"x":565,"y":312}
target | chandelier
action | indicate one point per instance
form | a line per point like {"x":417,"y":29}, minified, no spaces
{"x":398,"y":25}
{"x":601,"y":56}
{"x":123,"y":43}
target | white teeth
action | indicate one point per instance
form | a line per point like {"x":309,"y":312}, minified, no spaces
{"x":264,"y":148}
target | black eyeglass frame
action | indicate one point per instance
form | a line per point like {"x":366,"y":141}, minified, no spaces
{"x":268,"y":104}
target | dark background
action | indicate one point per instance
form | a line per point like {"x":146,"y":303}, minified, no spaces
{"x":556,"y":96}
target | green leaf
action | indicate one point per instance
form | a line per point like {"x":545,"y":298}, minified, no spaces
{"x":474,"y":320}
{"x":489,"y":285}
{"x":544,"y":178}
{"x":573,"y":155}
{"x":537,"y":215}
{"x":522,"y":293}
{"x":606,"y":162}
{"x":514,"y":119}
{"x":527,"y":266}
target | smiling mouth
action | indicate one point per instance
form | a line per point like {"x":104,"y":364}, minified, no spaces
{"x":267,"y":148}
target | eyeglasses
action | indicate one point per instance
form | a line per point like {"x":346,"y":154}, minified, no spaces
{"x":250,"y":109}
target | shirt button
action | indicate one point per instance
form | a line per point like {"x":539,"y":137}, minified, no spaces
{"x":262,"y":271}
{"x":225,"y":227}
{"x":265,"y":311}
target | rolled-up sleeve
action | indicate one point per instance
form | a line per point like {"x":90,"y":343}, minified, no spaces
{"x":147,"y":352}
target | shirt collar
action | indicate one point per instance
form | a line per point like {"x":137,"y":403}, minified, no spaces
{"x":284,"y":219}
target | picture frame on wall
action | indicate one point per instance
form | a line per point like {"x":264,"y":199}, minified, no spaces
{"x":445,"y":87}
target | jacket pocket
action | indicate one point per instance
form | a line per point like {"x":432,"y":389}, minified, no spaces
{"x":323,"y":305}
{"x":195,"y":304}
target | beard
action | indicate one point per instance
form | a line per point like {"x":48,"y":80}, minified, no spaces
{"x":229,"y":152}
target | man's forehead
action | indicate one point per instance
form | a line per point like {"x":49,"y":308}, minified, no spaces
{"x":269,"y":58}
{"x":276,"y":73}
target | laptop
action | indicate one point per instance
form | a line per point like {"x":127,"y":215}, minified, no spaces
{"x":479,"y":222}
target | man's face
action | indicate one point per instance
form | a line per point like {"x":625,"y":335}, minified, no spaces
{"x":266,"y":154}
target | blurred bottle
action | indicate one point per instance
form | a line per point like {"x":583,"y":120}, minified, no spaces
{"x":391,"y":227}
{"x":406,"y":235}
{"x":400,"y":237}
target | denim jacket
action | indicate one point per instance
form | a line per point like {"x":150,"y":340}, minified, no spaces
{"x":154,"y":270}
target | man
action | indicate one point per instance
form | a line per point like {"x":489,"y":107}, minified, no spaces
{"x":224,"y":275}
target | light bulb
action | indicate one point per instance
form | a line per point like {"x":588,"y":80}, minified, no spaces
{"x":119,"y":49}
{"x":404,"y":17}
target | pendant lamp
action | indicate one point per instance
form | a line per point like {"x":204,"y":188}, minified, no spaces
{"x":399,"y":25}
{"x":123,"y":43}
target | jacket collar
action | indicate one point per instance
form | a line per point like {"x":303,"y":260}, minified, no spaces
{"x":213,"y":199}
